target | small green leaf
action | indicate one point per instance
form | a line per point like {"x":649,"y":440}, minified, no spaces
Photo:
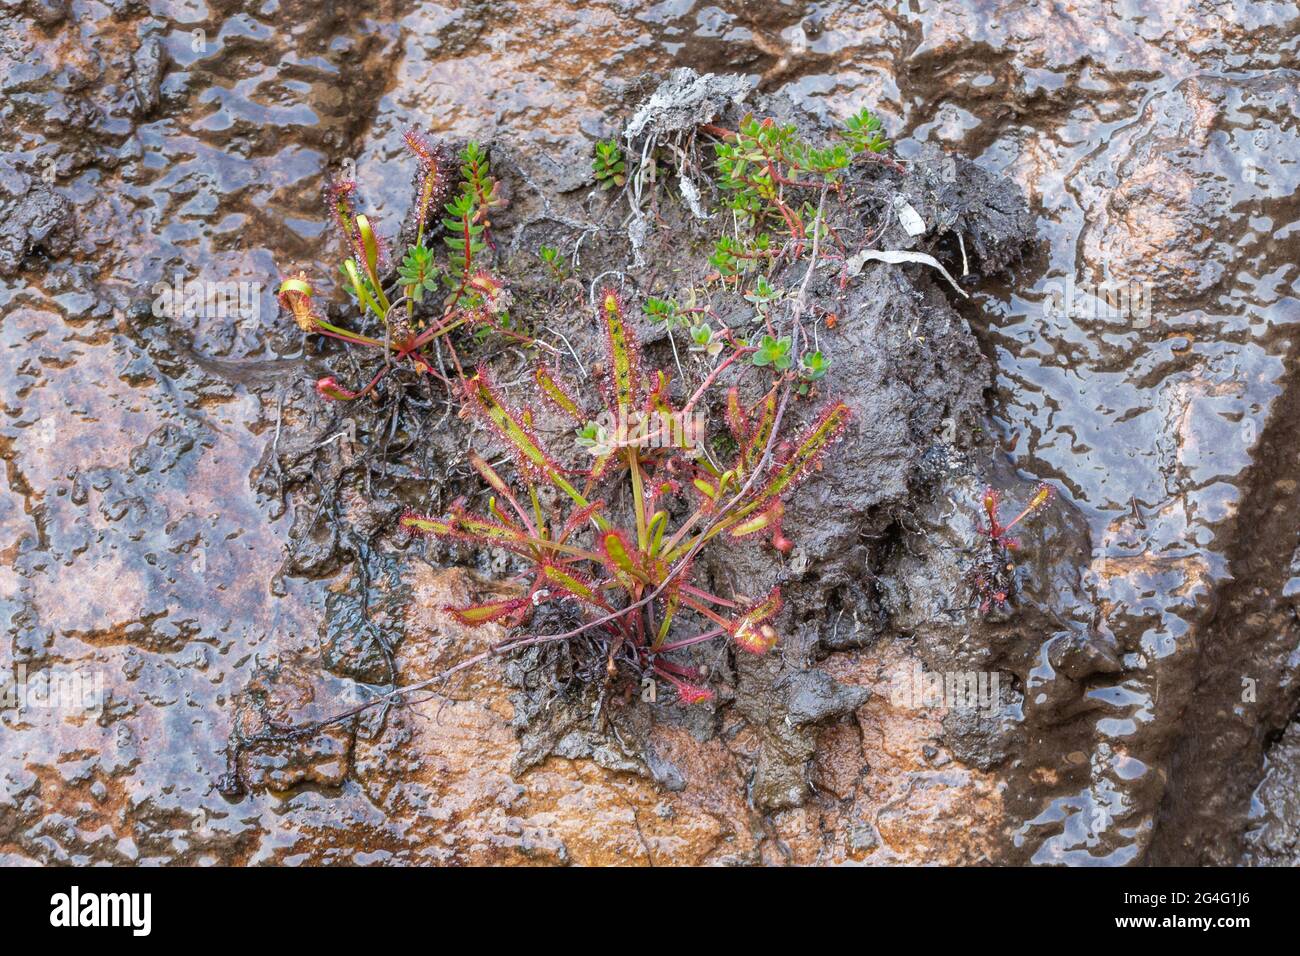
{"x":608,"y":165}
{"x":813,"y":366}
{"x":773,"y":352}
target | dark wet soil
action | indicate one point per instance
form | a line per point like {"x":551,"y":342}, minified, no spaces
{"x":183,"y":517}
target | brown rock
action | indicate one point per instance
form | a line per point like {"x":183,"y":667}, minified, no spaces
{"x":444,"y":769}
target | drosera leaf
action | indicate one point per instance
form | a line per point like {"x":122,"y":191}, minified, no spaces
{"x":489,"y":474}
{"x":1000,"y":532}
{"x":618,"y":559}
{"x":362,"y":289}
{"x":755,"y":444}
{"x":829,"y":426}
{"x":431,"y":179}
{"x":340,"y":197}
{"x":521,"y":442}
{"x":713,"y":492}
{"x":475,"y":614}
{"x":557,"y":395}
{"x":464,"y":526}
{"x":655,"y":531}
{"x":737,"y":421}
{"x":767,"y":518}
{"x":495,"y":511}
{"x":470,"y":527}
{"x":519,"y":439}
{"x":295,"y":296}
{"x":423,"y":524}
{"x":751,"y":631}
{"x":792,"y":468}
{"x":624,"y":358}
{"x":570,"y":582}
{"x":371,"y":247}
{"x":689,"y":693}
{"x":578,"y":518}
{"x":498,"y":484}
{"x":671,"y":603}
{"x":328,"y":388}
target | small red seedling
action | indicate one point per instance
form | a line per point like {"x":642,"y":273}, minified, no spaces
{"x":993,"y":579}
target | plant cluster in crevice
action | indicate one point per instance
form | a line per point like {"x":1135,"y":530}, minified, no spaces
{"x":407,"y":311}
{"x":643,"y":487}
{"x":616,"y":549}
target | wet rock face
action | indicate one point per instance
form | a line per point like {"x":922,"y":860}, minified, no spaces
{"x":48,"y":13}
{"x":148,"y":63}
{"x":267,"y":754}
{"x":173,"y":464}
{"x":440,"y":778}
{"x":1273,"y":839}
{"x":914,"y":380}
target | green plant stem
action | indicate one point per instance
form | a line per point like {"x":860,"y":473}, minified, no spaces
{"x":638,"y":498}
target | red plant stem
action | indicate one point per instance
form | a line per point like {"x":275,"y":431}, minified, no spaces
{"x":889,"y":161}
{"x":350,"y":338}
{"x":523,"y":516}
{"x":796,"y":230}
{"x":719,"y":131}
{"x":443,"y":327}
{"x":706,"y":611}
{"x":681,"y":532}
{"x":373,"y":382}
{"x":687,"y":642}
{"x":668,"y":667}
{"x":651,"y":626}
{"x":640,"y":620}
{"x":677,"y":682}
{"x":705,"y":595}
{"x":526,"y":340}
{"x":404,"y":353}
{"x":712,"y":377}
{"x":638,"y":498}
{"x":469,"y":255}
{"x":1014,"y":521}
{"x":481,"y":213}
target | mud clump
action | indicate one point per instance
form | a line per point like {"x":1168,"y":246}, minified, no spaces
{"x":35,"y":222}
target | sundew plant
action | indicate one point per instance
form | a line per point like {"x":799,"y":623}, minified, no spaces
{"x":618,"y":556}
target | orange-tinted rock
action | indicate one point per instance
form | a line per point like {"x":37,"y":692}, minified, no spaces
{"x":444,"y":769}
{"x":901,"y":797}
